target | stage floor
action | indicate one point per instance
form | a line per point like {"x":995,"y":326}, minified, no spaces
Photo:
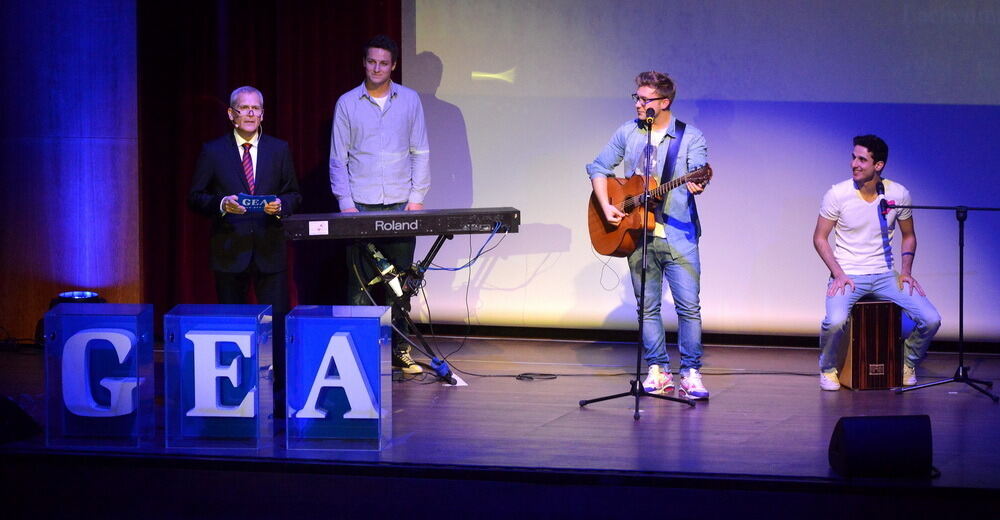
{"x":766,"y":419}
{"x":766,"y":416}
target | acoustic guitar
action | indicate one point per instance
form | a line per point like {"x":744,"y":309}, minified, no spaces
{"x":626,"y":195}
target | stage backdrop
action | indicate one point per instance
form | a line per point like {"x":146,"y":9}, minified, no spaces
{"x":520,"y":95}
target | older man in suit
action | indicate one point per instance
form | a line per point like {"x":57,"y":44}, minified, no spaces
{"x":247,"y":245}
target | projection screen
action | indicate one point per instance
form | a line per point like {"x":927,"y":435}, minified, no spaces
{"x":520,"y":95}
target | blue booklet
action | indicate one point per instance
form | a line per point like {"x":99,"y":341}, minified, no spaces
{"x":255,"y":203}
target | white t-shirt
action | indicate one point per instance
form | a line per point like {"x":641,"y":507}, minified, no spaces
{"x":655,"y":137}
{"x":380,"y":100}
{"x":862,"y":236}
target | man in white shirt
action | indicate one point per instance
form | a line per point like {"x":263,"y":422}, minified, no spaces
{"x":861,"y":263}
{"x":379,"y":161}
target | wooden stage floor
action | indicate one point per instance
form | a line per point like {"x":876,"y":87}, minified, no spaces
{"x":766,"y":415}
{"x":766,"y":421}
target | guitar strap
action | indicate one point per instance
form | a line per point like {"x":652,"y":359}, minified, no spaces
{"x":668,"y":170}
{"x":673,"y":151}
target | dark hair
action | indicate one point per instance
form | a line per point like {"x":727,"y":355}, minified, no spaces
{"x":658,"y":81}
{"x":383,"y":42}
{"x":875,"y":145}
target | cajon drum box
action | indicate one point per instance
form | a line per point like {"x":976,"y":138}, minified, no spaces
{"x":874,"y":347}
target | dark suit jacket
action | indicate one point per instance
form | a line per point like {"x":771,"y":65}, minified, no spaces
{"x":239,"y":239}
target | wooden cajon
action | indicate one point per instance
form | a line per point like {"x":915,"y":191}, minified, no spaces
{"x":874,"y":359}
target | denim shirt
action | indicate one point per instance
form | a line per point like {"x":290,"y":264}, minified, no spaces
{"x":680,"y":215}
{"x":379,"y":156}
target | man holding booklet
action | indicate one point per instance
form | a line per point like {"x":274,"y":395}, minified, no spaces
{"x":245,"y":181}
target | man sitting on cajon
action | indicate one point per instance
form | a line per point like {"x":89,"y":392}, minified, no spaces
{"x":861,"y":264}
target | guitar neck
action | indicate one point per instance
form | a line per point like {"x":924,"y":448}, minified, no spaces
{"x":635,"y":201}
{"x":664,"y":188}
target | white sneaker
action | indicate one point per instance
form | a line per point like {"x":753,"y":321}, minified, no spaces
{"x":909,"y":375}
{"x":658,"y":381}
{"x":692,"y":387}
{"x":829,"y":381}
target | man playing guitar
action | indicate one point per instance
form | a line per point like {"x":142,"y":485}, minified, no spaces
{"x":673,"y":243}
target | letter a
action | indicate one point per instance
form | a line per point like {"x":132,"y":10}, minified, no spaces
{"x":340,"y":350}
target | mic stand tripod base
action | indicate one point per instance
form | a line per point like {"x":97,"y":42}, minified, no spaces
{"x":961,"y":376}
{"x":637,"y":391}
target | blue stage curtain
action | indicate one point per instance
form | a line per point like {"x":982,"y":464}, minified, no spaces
{"x":70,"y":201}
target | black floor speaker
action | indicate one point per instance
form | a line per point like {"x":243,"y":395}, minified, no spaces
{"x":882,"y":446}
{"x":15,"y":424}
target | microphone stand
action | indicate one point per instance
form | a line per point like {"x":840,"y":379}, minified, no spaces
{"x":401,"y":305}
{"x":962,"y":372}
{"x":635,"y":387}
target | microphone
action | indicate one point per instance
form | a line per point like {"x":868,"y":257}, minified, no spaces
{"x":649,"y":117}
{"x":387,"y":271}
{"x":883,"y":204}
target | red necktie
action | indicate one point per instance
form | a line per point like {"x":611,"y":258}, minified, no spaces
{"x":248,"y":166}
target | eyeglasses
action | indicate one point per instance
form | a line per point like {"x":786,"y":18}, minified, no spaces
{"x":644,"y":101}
{"x":247,"y":109}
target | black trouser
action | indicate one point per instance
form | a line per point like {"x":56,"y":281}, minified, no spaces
{"x":399,"y":252}
{"x":271,"y":289}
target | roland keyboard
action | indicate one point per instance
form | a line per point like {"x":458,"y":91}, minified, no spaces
{"x":377,"y":224}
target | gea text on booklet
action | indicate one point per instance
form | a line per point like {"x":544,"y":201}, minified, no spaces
{"x":255,"y":203}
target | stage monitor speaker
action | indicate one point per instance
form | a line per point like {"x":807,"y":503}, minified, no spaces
{"x":882,"y":446}
{"x":15,"y":424}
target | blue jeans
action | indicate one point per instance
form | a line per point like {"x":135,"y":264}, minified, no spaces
{"x":681,"y":266}
{"x":884,"y":287}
